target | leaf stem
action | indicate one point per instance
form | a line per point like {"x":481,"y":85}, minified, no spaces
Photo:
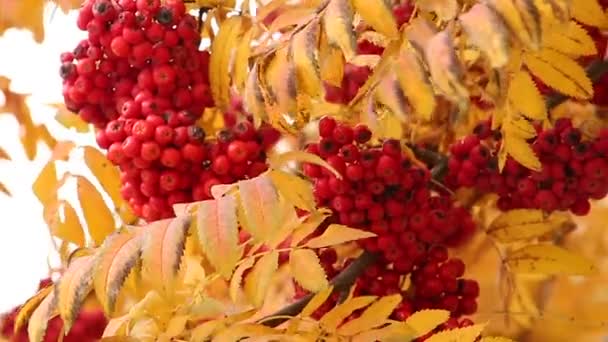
{"x":341,"y":283}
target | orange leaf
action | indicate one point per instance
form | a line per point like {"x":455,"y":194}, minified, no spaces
{"x":45,"y":185}
{"x":69,"y":229}
{"x":96,"y":213}
{"x":29,"y":306}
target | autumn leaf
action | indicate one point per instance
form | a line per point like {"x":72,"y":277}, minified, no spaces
{"x":528,"y":33}
{"x":485,"y":30}
{"x":445,"y":9}
{"x":394,"y":332}
{"x":559,"y":72}
{"x":415,"y":84}
{"x":294,"y":189}
{"x":424,"y":321}
{"x":303,"y":50}
{"x":26,"y":310}
{"x":374,"y":316}
{"x":67,"y":5}
{"x":548,"y":259}
{"x":446,"y":72}
{"x":162,"y":251}
{"x":260,"y":205}
{"x":116,"y":258}
{"x":279,"y":160}
{"x":590,"y":12}
{"x":337,"y":23}
{"x":389,"y":93}
{"x":571,"y":39}
{"x":331,"y":62}
{"x":217,"y":228}
{"x":466,"y":334}
{"x":25,"y":14}
{"x":96,"y":213}
{"x":340,"y":312}
{"x":73,"y":288}
{"x":337,"y":234}
{"x":45,"y":185}
{"x":69,"y":229}
{"x":70,"y":120}
{"x":307,"y":271}
{"x":316,"y":301}
{"x":282,"y":78}
{"x":525,"y":97}
{"x":237,"y":332}
{"x":309,"y":225}
{"x":241,"y":59}
{"x":379,"y":15}
{"x":516,"y":146}
{"x":523,"y":224}
{"x":5,"y":190}
{"x":237,"y":277}
{"x":40,"y":318}
{"x":258,"y":280}
{"x":496,"y":339}
{"x":219,"y":63}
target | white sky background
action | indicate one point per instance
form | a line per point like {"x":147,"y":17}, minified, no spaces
{"x":33,"y":69}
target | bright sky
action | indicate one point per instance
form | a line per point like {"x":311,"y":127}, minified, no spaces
{"x":24,"y":238}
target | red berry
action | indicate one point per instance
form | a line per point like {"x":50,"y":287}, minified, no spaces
{"x":581,"y":207}
{"x":131,"y":147}
{"x":343,"y":134}
{"x":143,"y":130}
{"x":221,"y":165}
{"x":170,"y":157}
{"x":169,"y":181}
{"x":362,"y":133}
{"x":194,"y":153}
{"x":237,"y":151}
{"x":150,"y":150}
{"x":326,"y":126}
{"x":545,"y":200}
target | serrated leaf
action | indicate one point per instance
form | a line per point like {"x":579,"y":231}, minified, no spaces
{"x":70,"y":120}
{"x":337,"y":234}
{"x":394,"y":332}
{"x":26,"y":310}
{"x":590,"y":12}
{"x":237,"y":277}
{"x":559,"y":72}
{"x":69,"y":229}
{"x":282,"y":78}
{"x":571,"y":39}
{"x":525,"y":97}
{"x":415,"y":84}
{"x":117,"y":257}
{"x":254,"y":98}
{"x":485,"y":30}
{"x":109,"y":178}
{"x":219,"y":62}
{"x":294,"y":189}
{"x":532,"y":20}
{"x":523,"y":224}
{"x":304,"y":55}
{"x":217,"y":227}
{"x":277,"y":161}
{"x":307,"y":271}
{"x":310,"y":224}
{"x":339,"y":313}
{"x":379,"y":15}
{"x":521,"y":151}
{"x":446,"y":71}
{"x":162,"y":251}
{"x":258,"y":280}
{"x":331,"y":63}
{"x":241,"y":60}
{"x":374,"y":316}
{"x":548,"y":259}
{"x":389,"y":93}
{"x":74,"y":286}
{"x":316,"y":301}
{"x":100,"y":221}
{"x":337,"y":23}
{"x":424,"y":321}
{"x":260,"y":204}
{"x":466,"y":334}
{"x":45,"y":185}
{"x":496,"y":339}
{"x":38,"y":322}
{"x":510,"y":14}
{"x":239,"y":332}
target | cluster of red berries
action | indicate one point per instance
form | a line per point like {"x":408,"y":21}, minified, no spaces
{"x":573,"y":170}
{"x":88,"y":326}
{"x":383,"y":191}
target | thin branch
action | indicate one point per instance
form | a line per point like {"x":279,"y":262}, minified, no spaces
{"x":341,"y":283}
{"x":595,"y":71}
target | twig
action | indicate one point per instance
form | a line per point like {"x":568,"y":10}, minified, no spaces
{"x":341,"y":283}
{"x":595,"y":71}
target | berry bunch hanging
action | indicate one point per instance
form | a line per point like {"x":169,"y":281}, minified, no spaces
{"x":573,"y":169}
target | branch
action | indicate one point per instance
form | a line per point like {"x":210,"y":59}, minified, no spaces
{"x":595,"y":71}
{"x":437,"y":161}
{"x":341,"y":283}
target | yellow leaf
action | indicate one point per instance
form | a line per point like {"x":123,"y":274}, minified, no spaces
{"x":62,"y":150}
{"x":118,"y":255}
{"x":445,"y":69}
{"x":26,"y":14}
{"x":74,"y":287}
{"x":4,"y":155}
{"x":5,"y":190}
{"x":389,"y":93}
{"x":424,"y":321}
{"x":369,"y":61}
{"x":525,"y":97}
{"x":296,"y":190}
{"x":45,"y":185}
{"x":260,"y":203}
{"x":548,"y":259}
{"x":239,"y":332}
{"x":304,"y":55}
{"x":571,"y":39}
{"x":338,"y":25}
{"x":590,"y":12}
{"x":254,"y":98}
{"x":217,"y":228}
{"x":307,"y":270}
{"x":69,"y":229}
{"x":528,"y":33}
{"x":394,"y":332}
{"x":70,"y":120}
{"x":516,"y":125}
{"x":241,"y":59}
{"x":466,"y":334}
{"x":559,"y":72}
{"x":194,"y":272}
{"x":258,"y":280}
{"x":293,"y":16}
{"x":116,"y":327}
{"x":162,"y":251}
{"x":445,"y":9}
{"x":485,"y":30}
{"x":496,"y":339}
{"x":519,"y":149}
{"x":237,"y":277}
{"x":40,"y":318}
{"x":523,"y":224}
{"x":67,"y":5}
{"x":176,"y":326}
{"x":282,"y":78}
{"x":415,"y":84}
{"x":316,"y":301}
{"x":205,"y":330}
{"x":109,"y":178}
{"x":332,"y":319}
{"x":337,"y":234}
{"x":26,"y":310}
{"x":331,"y":62}
{"x":374,"y":316}
{"x":96,"y":213}
{"x":379,"y":15}
{"x":279,"y":160}
{"x":310,"y":224}
{"x":219,"y":63}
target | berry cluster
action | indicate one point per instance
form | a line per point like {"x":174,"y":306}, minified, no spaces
{"x":386,"y":193}
{"x":88,"y":326}
{"x":573,"y":170}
